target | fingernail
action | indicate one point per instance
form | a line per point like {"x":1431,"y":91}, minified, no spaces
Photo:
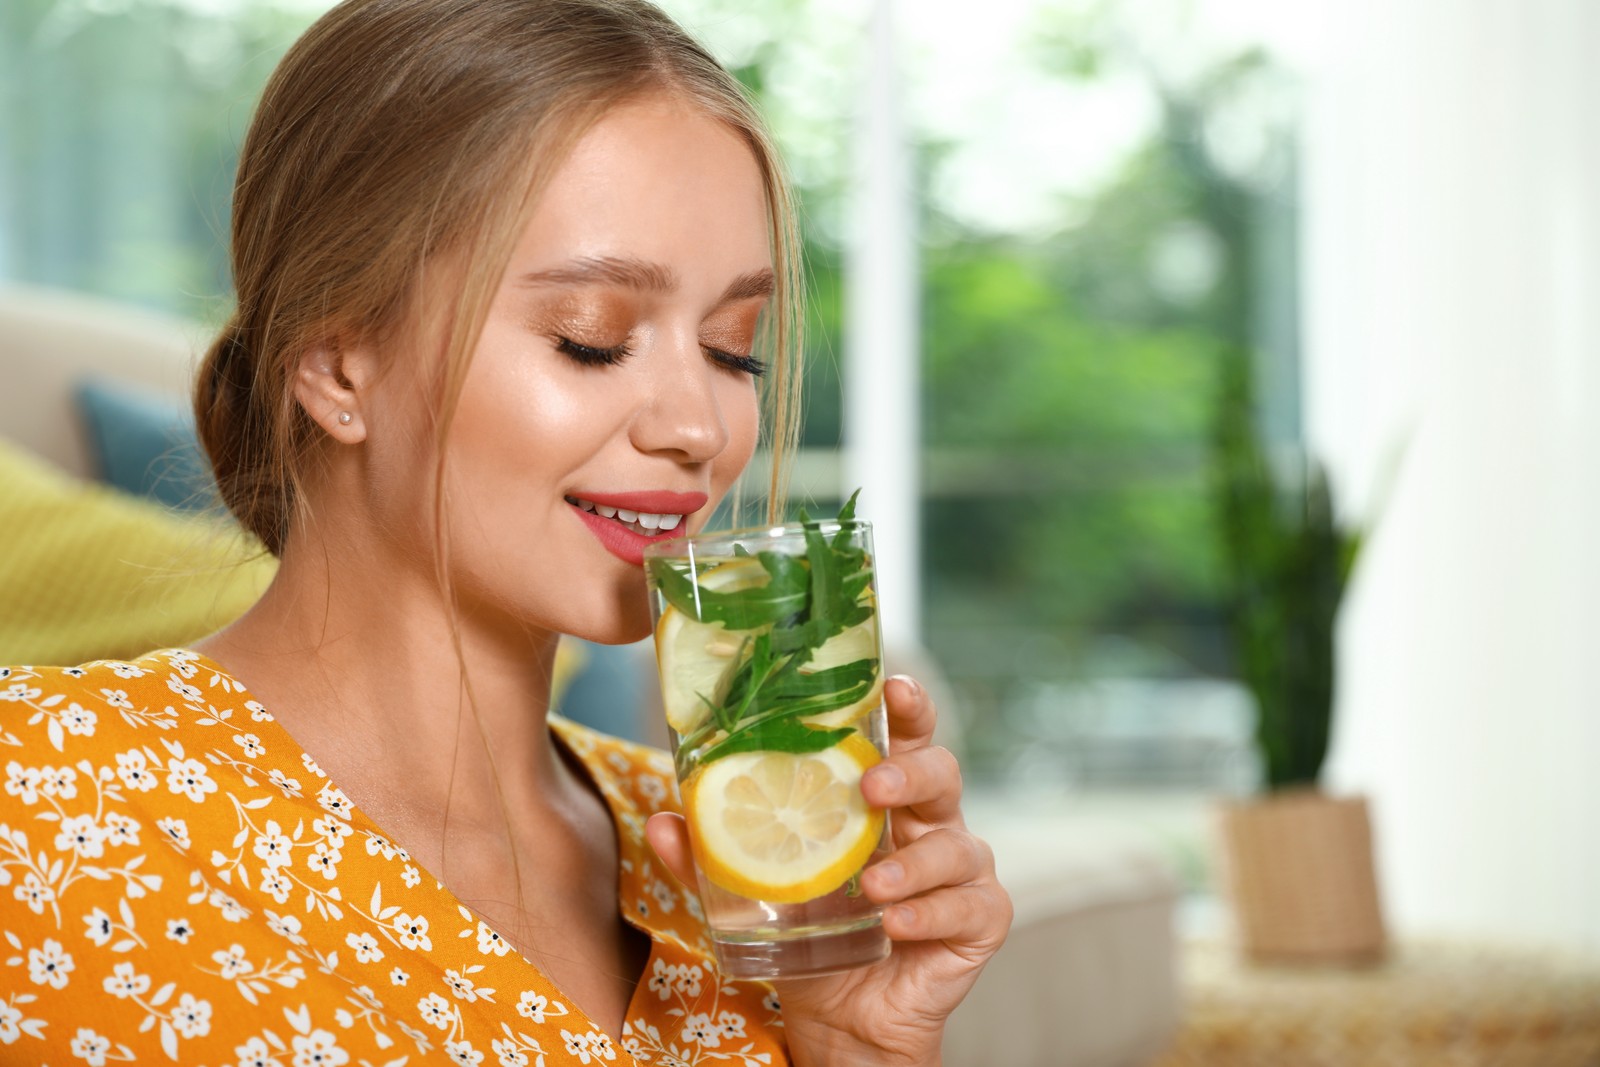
{"x":889,"y":873}
{"x":890,"y":779}
{"x":913,"y":687}
{"x":903,"y":914}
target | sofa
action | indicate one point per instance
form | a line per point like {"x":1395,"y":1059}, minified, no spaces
{"x":1087,"y":977}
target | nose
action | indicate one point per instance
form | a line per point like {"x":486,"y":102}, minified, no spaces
{"x":681,"y":415}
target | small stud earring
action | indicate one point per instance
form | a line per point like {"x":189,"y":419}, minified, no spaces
{"x":344,"y":418}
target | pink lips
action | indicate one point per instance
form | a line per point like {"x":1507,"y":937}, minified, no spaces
{"x":628,"y":545}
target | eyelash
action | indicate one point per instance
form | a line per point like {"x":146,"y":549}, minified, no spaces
{"x":610,"y":357}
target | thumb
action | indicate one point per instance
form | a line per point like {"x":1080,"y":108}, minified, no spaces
{"x":668,"y":834}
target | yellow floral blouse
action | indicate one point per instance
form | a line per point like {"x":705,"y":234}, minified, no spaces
{"x":180,"y":882}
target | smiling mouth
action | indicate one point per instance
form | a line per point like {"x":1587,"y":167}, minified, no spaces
{"x":640,"y":522}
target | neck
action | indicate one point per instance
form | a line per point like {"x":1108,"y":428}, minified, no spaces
{"x":416,"y":711}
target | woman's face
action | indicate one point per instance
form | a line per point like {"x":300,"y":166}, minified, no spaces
{"x":612,"y":380}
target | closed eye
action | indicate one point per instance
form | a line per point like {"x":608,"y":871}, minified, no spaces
{"x":590,"y":356}
{"x":748,"y":364}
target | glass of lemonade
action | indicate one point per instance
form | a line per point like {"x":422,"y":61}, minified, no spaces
{"x":771,"y":671}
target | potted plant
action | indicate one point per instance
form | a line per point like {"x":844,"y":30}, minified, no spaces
{"x":1298,"y":863}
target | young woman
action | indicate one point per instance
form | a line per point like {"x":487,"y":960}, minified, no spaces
{"x":493,"y":260}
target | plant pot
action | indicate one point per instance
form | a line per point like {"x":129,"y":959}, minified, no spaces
{"x":1298,"y":869}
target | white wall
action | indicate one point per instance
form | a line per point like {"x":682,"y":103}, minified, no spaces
{"x":1453,"y":310}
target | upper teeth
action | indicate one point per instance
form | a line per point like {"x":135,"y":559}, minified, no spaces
{"x":650,"y":522}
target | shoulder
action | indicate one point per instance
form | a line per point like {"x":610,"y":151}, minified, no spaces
{"x":638,"y":774}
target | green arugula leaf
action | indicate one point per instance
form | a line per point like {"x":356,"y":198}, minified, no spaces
{"x":779,"y":735}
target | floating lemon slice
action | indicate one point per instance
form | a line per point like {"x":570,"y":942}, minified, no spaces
{"x":859,"y":642}
{"x":781,"y":826}
{"x":694,"y":657}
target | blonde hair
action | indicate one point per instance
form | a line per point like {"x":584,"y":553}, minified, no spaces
{"x":394,"y":138}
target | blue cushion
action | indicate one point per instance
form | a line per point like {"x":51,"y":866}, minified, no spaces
{"x":144,"y":443}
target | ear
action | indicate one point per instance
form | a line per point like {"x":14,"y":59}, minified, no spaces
{"x":331,"y":383}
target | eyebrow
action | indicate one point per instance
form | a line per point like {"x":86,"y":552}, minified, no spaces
{"x":646,"y":277}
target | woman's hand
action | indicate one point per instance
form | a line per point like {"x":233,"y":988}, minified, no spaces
{"x":943,"y":908}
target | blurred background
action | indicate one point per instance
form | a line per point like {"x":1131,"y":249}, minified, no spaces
{"x":1039,"y":233}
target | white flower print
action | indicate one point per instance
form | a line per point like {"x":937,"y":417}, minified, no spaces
{"x":700,"y":1030}
{"x":70,"y":672}
{"x":23,"y":782}
{"x":576,"y":1045}
{"x":413,"y":932}
{"x":121,"y":830}
{"x":179,"y":930}
{"x":533,"y":1006}
{"x":436,"y":1011}
{"x":365,"y":946}
{"x":589,"y":1046}
{"x":666,"y":897}
{"x":324,"y":859}
{"x":80,"y":835}
{"x":318,"y":1050}
{"x":232,"y":910}
{"x":177,"y":831}
{"x":669,"y":978}
{"x":232,"y":962}
{"x":285,"y":926}
{"x":253,"y":748}
{"x":125,"y":982}
{"x":90,"y":1046}
{"x":377,"y":845}
{"x":58,"y":782}
{"x":731,"y":1023}
{"x":460,"y":986}
{"x":10,"y":1017}
{"x":770,"y":1002}
{"x":410,"y":876}
{"x":289,"y":786}
{"x":189,"y":777}
{"x":117,"y":698}
{"x":273,"y":846}
{"x":184,"y":689}
{"x":100,"y":927}
{"x":368,"y":997}
{"x":510,"y":1055}
{"x":619,"y":763}
{"x":311,"y":765}
{"x":17,"y":692}
{"x":126,"y":670}
{"x":192,"y":1018}
{"x":258,"y":713}
{"x":255,"y":1053}
{"x":333,"y":830}
{"x":134,"y":771}
{"x":78,"y":720}
{"x":652,"y":788}
{"x":462,"y":1053}
{"x":275,"y":884}
{"x":398,"y":977}
{"x":490,"y":942}
{"x":332,"y":798}
{"x":50,"y":964}
{"x":34,"y":893}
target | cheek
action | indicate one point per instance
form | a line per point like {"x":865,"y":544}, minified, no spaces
{"x":743,"y":414}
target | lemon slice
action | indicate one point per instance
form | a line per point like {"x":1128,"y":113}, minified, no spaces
{"x":694,"y":657}
{"x":857,"y":643}
{"x":784,"y":827}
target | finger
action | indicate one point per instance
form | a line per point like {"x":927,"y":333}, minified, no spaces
{"x":934,"y":860}
{"x":911,"y":713}
{"x":926,"y":780}
{"x":668,"y":834}
{"x":972,"y":920}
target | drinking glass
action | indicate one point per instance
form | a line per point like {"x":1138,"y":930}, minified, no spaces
{"x":771,"y":668}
